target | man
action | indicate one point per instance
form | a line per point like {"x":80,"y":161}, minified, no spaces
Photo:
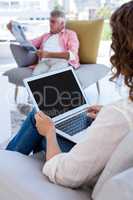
{"x":56,"y":49}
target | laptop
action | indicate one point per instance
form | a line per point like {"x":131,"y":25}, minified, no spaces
{"x":60,"y":95}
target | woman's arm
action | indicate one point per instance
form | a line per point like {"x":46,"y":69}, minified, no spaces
{"x":87,"y":158}
{"x":46,"y":128}
{"x":52,"y":146}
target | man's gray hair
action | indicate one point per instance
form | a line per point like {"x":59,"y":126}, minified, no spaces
{"x":57,"y":13}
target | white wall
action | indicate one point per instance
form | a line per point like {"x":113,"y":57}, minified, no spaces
{"x":5,"y":50}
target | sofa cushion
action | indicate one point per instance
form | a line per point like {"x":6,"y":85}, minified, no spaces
{"x":17,"y":75}
{"x":89,"y":34}
{"x":120,"y":187}
{"x":87,"y":74}
{"x":21,"y":178}
{"x":121,"y":160}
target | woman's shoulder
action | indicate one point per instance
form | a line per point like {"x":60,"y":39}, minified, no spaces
{"x":122,"y":110}
{"x":124,"y":104}
{"x":114,"y":116}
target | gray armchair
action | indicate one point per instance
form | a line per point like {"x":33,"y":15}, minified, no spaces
{"x":89,"y":34}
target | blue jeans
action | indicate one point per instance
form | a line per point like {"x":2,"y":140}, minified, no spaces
{"x":28,"y":139}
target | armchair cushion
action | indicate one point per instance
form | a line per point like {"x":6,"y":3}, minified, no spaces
{"x":89,"y":33}
{"x":87,"y":74}
{"x":17,"y":75}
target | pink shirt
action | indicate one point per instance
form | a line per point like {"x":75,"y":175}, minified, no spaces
{"x":68,"y":41}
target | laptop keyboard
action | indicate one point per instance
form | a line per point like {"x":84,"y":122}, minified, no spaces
{"x":75,"y":124}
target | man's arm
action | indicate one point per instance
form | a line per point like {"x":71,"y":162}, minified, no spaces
{"x":45,"y":54}
{"x":9,"y":26}
{"x":37,"y":41}
{"x":64,"y":55}
{"x":73,"y":44}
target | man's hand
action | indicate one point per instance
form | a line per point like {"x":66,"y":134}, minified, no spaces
{"x":9,"y":26}
{"x":42,"y":54}
{"x":93,"y":111}
{"x":44,"y":125}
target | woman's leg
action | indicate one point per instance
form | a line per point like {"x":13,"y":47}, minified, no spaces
{"x":27,"y":139}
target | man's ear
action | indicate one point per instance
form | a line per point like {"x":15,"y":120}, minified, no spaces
{"x":62,"y":24}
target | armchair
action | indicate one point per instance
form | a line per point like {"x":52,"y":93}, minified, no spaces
{"x":89,"y":34}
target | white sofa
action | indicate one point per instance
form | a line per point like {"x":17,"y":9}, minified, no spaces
{"x":119,"y":187}
{"x":21,"y":178}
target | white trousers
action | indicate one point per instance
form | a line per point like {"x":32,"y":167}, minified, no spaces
{"x":48,"y":65}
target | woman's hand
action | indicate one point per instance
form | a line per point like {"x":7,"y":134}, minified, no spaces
{"x":44,"y":125}
{"x":42,"y":54}
{"x":93,"y":111}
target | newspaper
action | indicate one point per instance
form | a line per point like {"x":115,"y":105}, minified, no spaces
{"x":18,"y":33}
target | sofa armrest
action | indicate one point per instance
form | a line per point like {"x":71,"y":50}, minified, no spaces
{"x":120,"y":161}
{"x":119,"y":187}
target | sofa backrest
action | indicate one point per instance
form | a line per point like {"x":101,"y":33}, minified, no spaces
{"x":89,"y":34}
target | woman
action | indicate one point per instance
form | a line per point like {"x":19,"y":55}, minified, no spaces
{"x":79,"y":164}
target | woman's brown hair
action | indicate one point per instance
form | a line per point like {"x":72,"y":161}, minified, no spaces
{"x":122,"y":44}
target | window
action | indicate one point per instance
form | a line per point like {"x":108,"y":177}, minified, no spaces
{"x":4,"y":5}
{"x":14,"y":4}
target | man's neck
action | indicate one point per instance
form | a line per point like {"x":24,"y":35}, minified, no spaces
{"x":57,"y":31}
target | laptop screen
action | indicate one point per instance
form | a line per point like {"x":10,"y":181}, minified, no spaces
{"x":58,"y":93}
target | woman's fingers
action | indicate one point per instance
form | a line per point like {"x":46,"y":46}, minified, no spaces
{"x":92,"y":108}
{"x":92,"y":115}
{"x":95,"y":108}
{"x":38,"y":118}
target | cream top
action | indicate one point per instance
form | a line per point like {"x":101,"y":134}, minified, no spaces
{"x":88,"y":158}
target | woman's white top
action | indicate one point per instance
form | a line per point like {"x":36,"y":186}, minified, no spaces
{"x":88,"y":158}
